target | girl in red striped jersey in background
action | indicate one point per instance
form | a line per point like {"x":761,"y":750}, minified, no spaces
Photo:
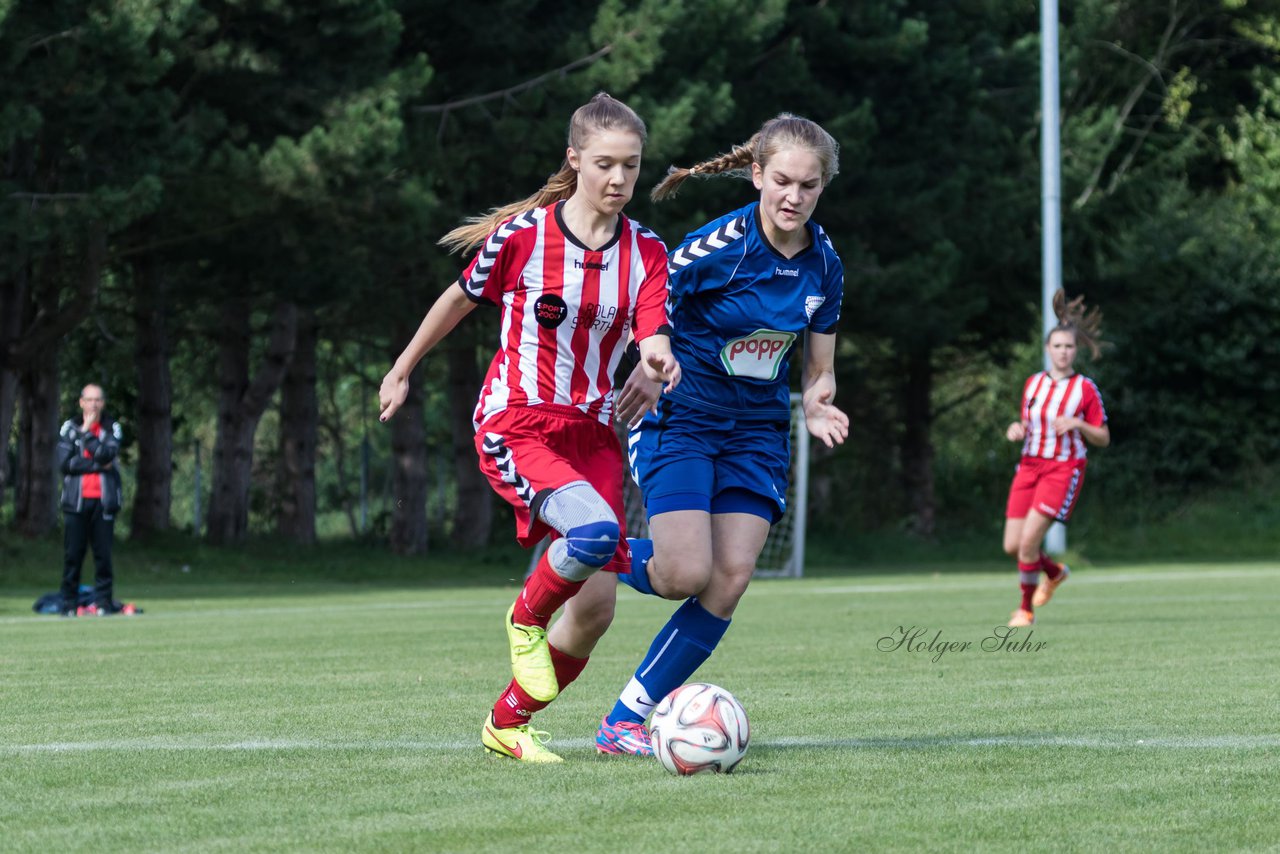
{"x":1061,"y":410}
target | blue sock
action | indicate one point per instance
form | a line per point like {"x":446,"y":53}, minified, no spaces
{"x":638,"y":577}
{"x":677,"y":651}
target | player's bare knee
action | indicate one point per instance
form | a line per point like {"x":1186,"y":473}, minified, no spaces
{"x":732,"y":580}
{"x":676,"y":578}
{"x":682,"y":587}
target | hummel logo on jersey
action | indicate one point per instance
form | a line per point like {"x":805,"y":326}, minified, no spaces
{"x":812,"y":304}
{"x":603,"y":266}
{"x":786,"y":271}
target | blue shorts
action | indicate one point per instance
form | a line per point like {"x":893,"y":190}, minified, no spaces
{"x":686,"y":459}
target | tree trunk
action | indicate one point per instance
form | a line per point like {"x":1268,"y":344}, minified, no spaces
{"x":241,"y":403}
{"x":408,"y":468}
{"x":12,"y":299}
{"x":35,"y":319}
{"x":330,"y":422}
{"x":154,"y":487}
{"x":917,"y":444}
{"x":38,"y":478}
{"x":473,"y":517}
{"x":8,"y":408}
{"x":299,"y":415}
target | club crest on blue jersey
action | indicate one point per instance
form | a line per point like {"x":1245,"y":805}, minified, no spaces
{"x":812,"y":304}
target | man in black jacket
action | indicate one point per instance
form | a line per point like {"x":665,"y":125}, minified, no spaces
{"x":91,"y":498}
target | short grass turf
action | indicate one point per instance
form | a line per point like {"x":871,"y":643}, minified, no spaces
{"x":1139,"y":714}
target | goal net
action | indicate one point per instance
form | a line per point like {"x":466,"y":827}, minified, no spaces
{"x":783,"y":555}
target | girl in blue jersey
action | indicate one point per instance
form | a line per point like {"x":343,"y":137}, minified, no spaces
{"x":712,"y":458}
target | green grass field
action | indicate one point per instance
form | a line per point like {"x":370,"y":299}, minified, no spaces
{"x":281,"y":716}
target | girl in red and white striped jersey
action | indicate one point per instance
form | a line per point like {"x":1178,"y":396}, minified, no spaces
{"x":574,"y":279}
{"x":1061,"y":411}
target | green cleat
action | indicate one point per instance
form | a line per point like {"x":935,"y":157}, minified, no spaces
{"x":531,"y":660}
{"x":522,"y":743}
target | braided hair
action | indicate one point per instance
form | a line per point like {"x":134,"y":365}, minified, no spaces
{"x":783,"y":132}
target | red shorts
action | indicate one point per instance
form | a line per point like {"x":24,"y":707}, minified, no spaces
{"x":1049,"y":487}
{"x":529,"y":451}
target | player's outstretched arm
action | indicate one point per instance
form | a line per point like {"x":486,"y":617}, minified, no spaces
{"x":823,"y":419}
{"x":445,"y":313}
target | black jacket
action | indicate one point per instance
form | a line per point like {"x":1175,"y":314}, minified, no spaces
{"x":72,"y":443}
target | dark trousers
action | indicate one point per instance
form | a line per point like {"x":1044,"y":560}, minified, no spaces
{"x":88,"y":527}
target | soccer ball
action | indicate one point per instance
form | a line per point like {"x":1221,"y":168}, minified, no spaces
{"x":699,"y":727}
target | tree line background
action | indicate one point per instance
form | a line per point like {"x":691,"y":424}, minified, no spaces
{"x":225,"y":212}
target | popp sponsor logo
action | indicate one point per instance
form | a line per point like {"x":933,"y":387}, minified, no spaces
{"x":758,"y":348}
{"x":756,"y":355}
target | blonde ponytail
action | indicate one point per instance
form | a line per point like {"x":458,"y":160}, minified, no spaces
{"x":601,"y":113}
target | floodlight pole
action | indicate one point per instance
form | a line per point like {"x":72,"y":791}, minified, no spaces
{"x":795,"y":567}
{"x":196,"y":515}
{"x":1050,"y":199}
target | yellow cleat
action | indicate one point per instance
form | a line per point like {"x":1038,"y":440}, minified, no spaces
{"x":1021,"y":618}
{"x":522,"y":743}
{"x":531,"y":660}
{"x":1045,"y":589}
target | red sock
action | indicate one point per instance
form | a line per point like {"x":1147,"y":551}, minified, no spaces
{"x":1051,"y":568}
{"x":1028,"y":579}
{"x":1028,"y":590}
{"x":543,"y":594}
{"x":567,"y":667}
{"x":515,"y":707}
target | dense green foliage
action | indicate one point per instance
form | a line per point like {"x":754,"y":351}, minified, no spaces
{"x":311,"y":153}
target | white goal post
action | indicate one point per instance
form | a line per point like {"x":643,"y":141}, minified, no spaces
{"x":783,"y":554}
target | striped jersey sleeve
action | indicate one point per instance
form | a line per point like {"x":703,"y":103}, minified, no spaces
{"x":483,"y":279}
{"x":650,"y":312}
